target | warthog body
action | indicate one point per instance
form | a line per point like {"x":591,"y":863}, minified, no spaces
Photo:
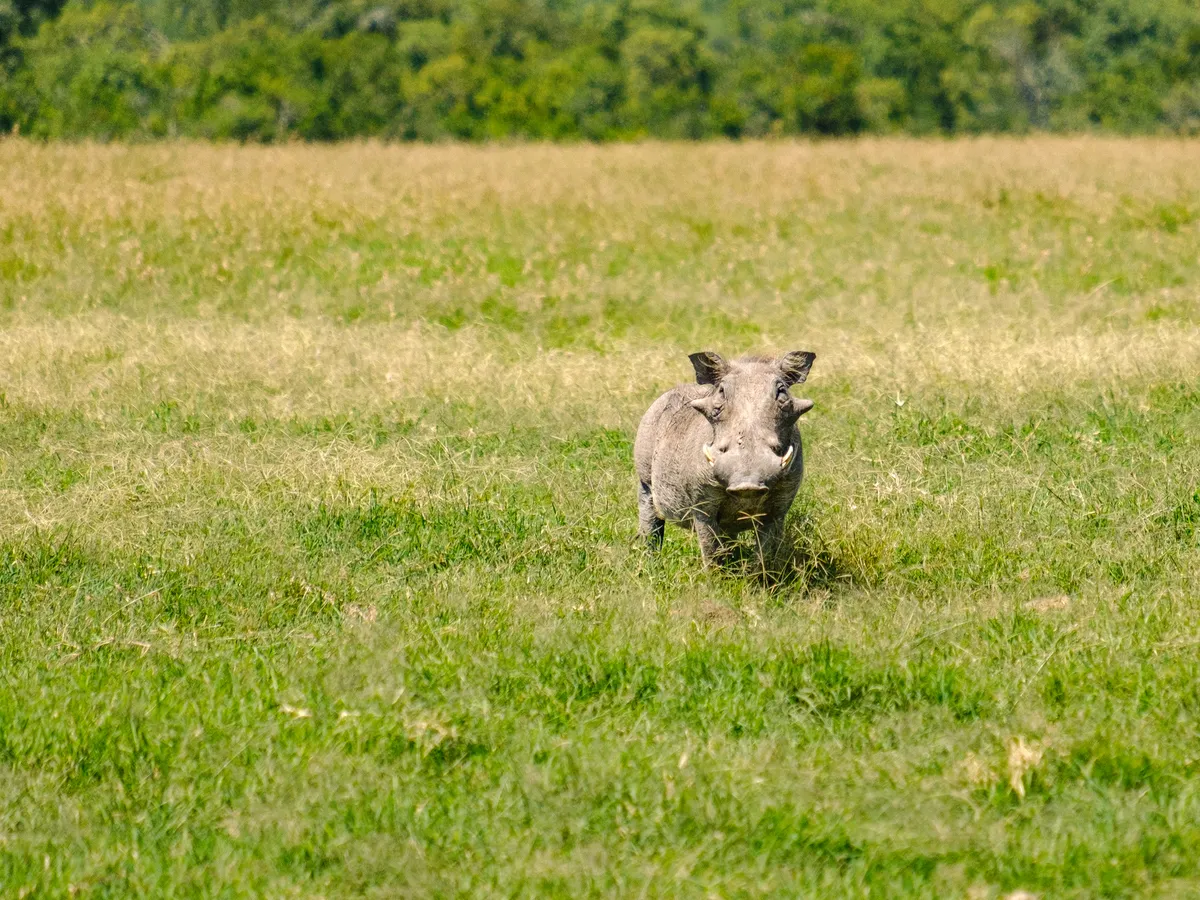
{"x":723,"y":455}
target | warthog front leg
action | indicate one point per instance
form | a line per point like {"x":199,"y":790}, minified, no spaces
{"x":713,"y":546}
{"x":773,"y":547}
{"x":650,"y":526}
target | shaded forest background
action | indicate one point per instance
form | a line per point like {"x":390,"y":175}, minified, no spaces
{"x":594,"y":69}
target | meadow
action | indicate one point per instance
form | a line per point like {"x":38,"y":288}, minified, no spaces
{"x":317,"y":563}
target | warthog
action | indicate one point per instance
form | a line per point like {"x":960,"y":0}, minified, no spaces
{"x":723,"y":455}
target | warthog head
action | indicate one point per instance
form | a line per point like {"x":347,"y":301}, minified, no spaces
{"x":752,"y":416}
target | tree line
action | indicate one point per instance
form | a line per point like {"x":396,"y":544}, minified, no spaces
{"x":270,"y":70}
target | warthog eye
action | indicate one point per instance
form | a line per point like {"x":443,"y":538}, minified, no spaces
{"x":781,"y":393}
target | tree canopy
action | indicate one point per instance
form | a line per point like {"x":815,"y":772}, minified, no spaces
{"x":267,"y":70}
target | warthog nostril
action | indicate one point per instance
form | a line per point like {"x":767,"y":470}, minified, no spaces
{"x":747,"y":487}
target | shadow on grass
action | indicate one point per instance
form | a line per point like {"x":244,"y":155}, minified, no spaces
{"x":811,"y":564}
{"x":816,"y":568}
{"x":815,"y":563}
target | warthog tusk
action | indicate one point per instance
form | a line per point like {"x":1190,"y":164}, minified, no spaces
{"x":708,"y":454}
{"x":787,"y":457}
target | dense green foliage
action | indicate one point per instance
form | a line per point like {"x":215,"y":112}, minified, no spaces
{"x":595,"y":69}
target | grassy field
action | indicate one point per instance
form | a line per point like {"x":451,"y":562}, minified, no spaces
{"x":317,"y":571}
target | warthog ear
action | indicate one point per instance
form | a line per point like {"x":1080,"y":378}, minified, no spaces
{"x":710,"y":368}
{"x":794,"y":366}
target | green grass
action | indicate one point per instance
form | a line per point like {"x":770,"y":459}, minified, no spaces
{"x":317,"y":561}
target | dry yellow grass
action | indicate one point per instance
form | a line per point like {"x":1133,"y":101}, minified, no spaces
{"x":867,"y":236}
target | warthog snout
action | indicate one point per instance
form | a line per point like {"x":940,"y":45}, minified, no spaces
{"x":748,"y":487}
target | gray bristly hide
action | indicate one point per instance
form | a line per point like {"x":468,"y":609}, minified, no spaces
{"x":723,"y":455}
